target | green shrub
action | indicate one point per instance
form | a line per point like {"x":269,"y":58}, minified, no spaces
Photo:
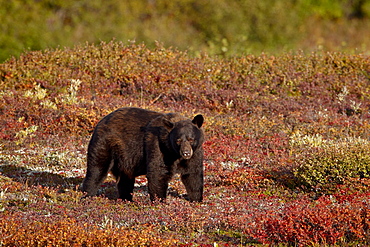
{"x":225,"y":27}
{"x":323,"y":167}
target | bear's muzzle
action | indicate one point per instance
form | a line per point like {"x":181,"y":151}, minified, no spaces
{"x":186,"y":151}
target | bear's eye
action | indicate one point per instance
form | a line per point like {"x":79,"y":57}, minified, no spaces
{"x":191,"y":140}
{"x":178,"y":141}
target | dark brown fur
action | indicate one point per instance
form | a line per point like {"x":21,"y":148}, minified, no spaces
{"x":130,"y":142}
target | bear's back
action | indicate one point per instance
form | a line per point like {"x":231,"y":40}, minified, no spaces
{"x":127,"y":119}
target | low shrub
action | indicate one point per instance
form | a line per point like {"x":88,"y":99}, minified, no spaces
{"x":270,"y":126}
{"x":302,"y":223}
{"x":15,"y":231}
{"x":329,"y":163}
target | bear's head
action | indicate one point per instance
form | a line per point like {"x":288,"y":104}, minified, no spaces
{"x":185,"y":136}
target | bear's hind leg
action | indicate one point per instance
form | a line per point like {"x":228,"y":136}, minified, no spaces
{"x":125,"y":187}
{"x":95,"y":175}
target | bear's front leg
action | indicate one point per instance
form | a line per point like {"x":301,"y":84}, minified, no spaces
{"x":192,"y":177}
{"x":158,"y":180}
{"x":194,"y":185}
{"x":125,"y":187}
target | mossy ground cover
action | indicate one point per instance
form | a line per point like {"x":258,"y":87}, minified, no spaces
{"x":286,"y":155}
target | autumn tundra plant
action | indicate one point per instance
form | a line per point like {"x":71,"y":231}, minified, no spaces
{"x":286,"y":153}
{"x":325,"y":164}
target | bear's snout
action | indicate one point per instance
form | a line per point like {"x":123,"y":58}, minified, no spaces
{"x":186,"y":151}
{"x":187,"y":154}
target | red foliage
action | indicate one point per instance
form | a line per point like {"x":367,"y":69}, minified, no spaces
{"x":253,"y":105}
{"x":303,"y":222}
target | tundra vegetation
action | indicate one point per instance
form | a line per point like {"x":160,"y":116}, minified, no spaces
{"x":222,"y":27}
{"x":287,"y":157}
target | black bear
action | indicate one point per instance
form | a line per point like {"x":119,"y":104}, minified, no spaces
{"x":130,"y":142}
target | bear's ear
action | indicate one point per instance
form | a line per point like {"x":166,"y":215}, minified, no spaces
{"x":198,"y":120}
{"x":168,"y":124}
